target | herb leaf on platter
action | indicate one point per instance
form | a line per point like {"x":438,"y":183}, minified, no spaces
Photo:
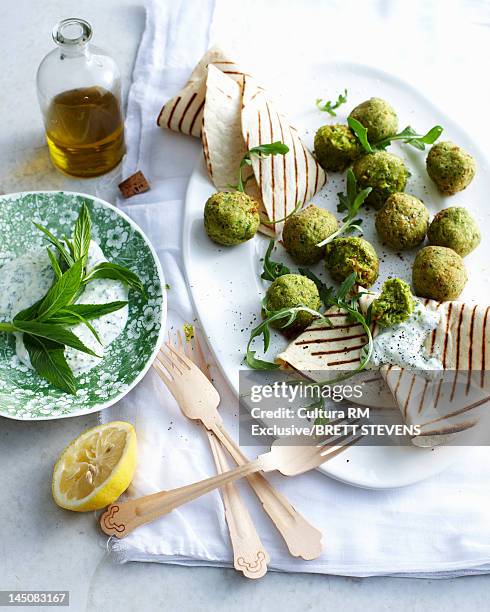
{"x":68,"y":315}
{"x":272,"y":269}
{"x":361,"y":132}
{"x":82,"y":234}
{"x":263,"y":329}
{"x":54,"y":263}
{"x":349,"y":202}
{"x":410,"y":136}
{"x":114,"y":271}
{"x":261,"y":152}
{"x":345,"y":299}
{"x":55,"y":333}
{"x":329,"y":106}
{"x":62,"y":292}
{"x":407,"y":136}
{"x":64,"y":254}
{"x":48,"y":359}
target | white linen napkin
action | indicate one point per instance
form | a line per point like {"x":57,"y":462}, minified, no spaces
{"x":437,"y":528}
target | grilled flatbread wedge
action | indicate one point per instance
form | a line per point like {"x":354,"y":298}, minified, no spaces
{"x":284,"y":180}
{"x":323,"y":350}
{"x":441,"y":405}
{"x":456,"y":400}
{"x":184,"y":112}
{"x":230,"y":112}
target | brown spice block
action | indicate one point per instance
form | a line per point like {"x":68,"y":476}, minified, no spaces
{"x":134,"y":184}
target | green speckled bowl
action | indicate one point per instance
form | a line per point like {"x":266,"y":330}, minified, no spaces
{"x":23,"y":394}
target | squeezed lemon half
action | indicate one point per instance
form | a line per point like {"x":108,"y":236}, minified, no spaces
{"x":96,"y":468}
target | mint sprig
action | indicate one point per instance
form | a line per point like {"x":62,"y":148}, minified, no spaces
{"x":45,"y":325}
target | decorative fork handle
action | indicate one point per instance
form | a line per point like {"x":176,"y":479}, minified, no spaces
{"x":121,"y":518}
{"x":302,"y":539}
{"x":249,"y":554}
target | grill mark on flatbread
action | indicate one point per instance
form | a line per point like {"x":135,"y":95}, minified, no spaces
{"x":446,"y":339}
{"x":470,"y":352}
{"x":295,"y":172}
{"x":337,"y":363}
{"x":398,"y":382}
{"x":336,"y":339}
{"x":306,"y":170}
{"x":205,"y":147}
{"x":160,"y":114}
{"x":460,"y":411}
{"x":422,"y":399}
{"x":483,"y":355}
{"x":284,"y":177}
{"x":273,"y":177}
{"x":317,"y":176}
{"x":345,"y":350}
{"x":407,"y":401}
{"x":458,"y":344}
{"x":444,"y":352}
{"x":191,"y":100}
{"x":349,"y":326}
{"x":169,"y":122}
{"x":198,"y":111}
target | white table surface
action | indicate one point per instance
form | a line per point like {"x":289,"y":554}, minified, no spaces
{"x":44,"y":547}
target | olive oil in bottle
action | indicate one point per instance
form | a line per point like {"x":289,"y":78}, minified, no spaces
{"x":85,"y":131}
{"x":79,"y":93}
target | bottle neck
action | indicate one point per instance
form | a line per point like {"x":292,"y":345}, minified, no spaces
{"x":72,"y":37}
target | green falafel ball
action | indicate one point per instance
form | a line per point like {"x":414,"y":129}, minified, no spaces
{"x":383,"y":172}
{"x":456,"y":229}
{"x":336,"y":147}
{"x":438,"y":273}
{"x":290,"y":291}
{"x":450,"y":167}
{"x":395,"y":303}
{"x":303,"y":231}
{"x":402,"y":222}
{"x":378,"y":117}
{"x":343,"y":256}
{"x":231,"y":217}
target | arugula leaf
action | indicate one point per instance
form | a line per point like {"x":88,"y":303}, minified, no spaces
{"x":115,"y":272}
{"x":350,"y":202}
{"x":263,"y":329}
{"x":330,"y":106}
{"x":325,"y":292}
{"x":82,"y":234}
{"x":55,"y":333}
{"x":48,"y":359}
{"x":64,"y":254}
{"x":410,"y":136}
{"x":272,"y":269}
{"x":260,"y":151}
{"x":361,"y":132}
{"x":62,"y":292}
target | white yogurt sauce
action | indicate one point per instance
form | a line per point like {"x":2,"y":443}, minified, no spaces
{"x":403,"y":345}
{"x":27,"y":278}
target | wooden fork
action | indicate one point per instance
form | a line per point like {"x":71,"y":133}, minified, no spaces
{"x":249,"y":555}
{"x":120,"y":519}
{"x":302,"y":539}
